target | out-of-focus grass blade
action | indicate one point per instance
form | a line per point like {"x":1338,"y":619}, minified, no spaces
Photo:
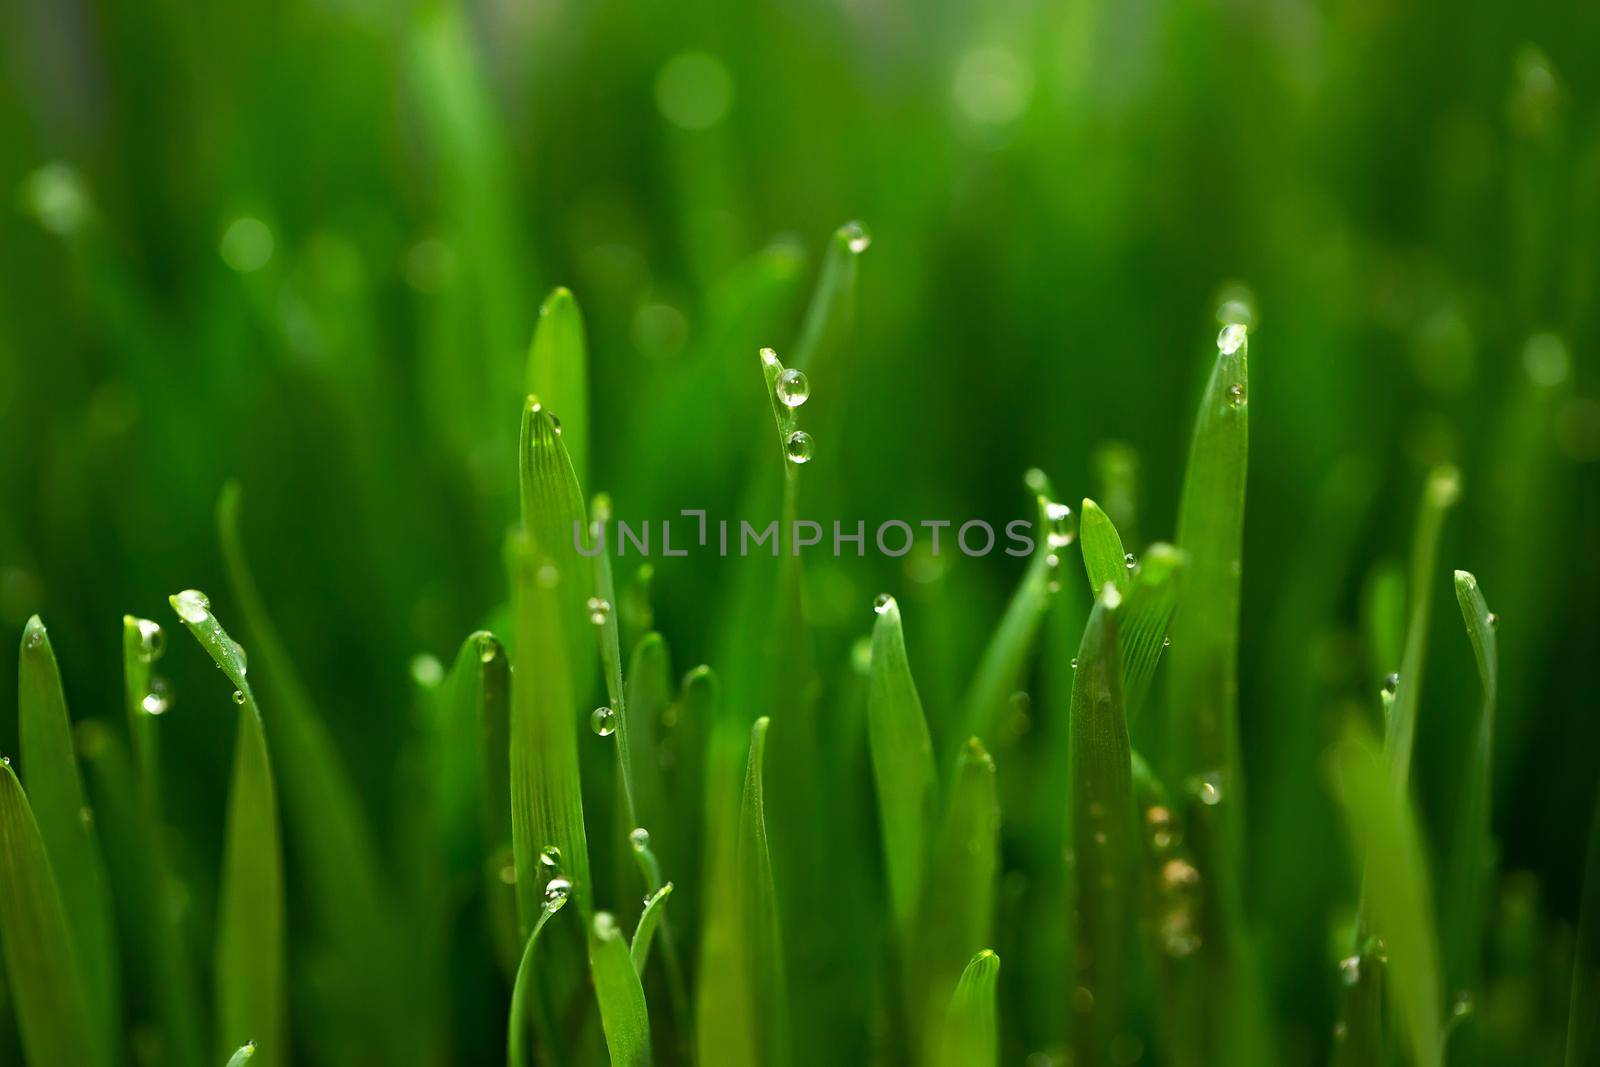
{"x":1221,"y":1012}
{"x":250,"y":971}
{"x":1104,"y":834}
{"x":902,"y":764}
{"x":55,"y":791}
{"x":741,"y":1007}
{"x":1398,"y":898}
{"x":1583,"y":1013}
{"x":524,"y":991}
{"x":970,"y":1037}
{"x":246,"y":1053}
{"x":833,"y":304}
{"x":1143,"y":627}
{"x":551,"y":584}
{"x":1006,"y":655}
{"x":1438,"y":496}
{"x":623,"y":1014}
{"x":1104,"y":558}
{"x":558,"y":372}
{"x":1472,"y":852}
{"x":46,"y":984}
{"x":338,"y":858}
{"x":644,"y":933}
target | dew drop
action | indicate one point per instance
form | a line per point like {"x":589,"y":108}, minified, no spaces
{"x":882,"y":603}
{"x":35,"y":637}
{"x":599,"y":610}
{"x":768,"y":356}
{"x":556,"y":892}
{"x":152,"y":641}
{"x":1350,"y":970}
{"x":856,"y":237}
{"x":794,"y":388}
{"x":639,"y":838}
{"x":798,"y":447}
{"x":1231,"y":337}
{"x":5,"y":761}
{"x":1129,"y":562}
{"x":1208,"y":787}
{"x":603,"y":721}
{"x":192,"y":606}
{"x":157,"y":700}
{"x":1492,"y":619}
{"x":1391,"y":682}
{"x":1236,"y":394}
{"x":1063,"y":525}
{"x":1166,"y":642}
{"x":238,"y":696}
{"x":1074,"y":662}
{"x":550,"y":858}
{"x":488,"y":648}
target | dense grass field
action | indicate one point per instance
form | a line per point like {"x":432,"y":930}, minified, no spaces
{"x":335,"y":336}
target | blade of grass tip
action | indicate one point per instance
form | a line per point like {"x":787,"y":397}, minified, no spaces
{"x":1104,"y":558}
{"x":346,"y":890}
{"x":902,"y":764}
{"x":551,"y":584}
{"x":650,"y":871}
{"x":971,"y":1036}
{"x":1583,"y":1013}
{"x":644,"y":933}
{"x":250,"y":970}
{"x":758,"y":888}
{"x":1222,"y":1018}
{"x":172,"y":971}
{"x":558,"y":371}
{"x":47,"y":988}
{"x":1152,"y":598}
{"x":1383,"y":828}
{"x":1104,"y":843}
{"x":525,"y":1007}
{"x":55,"y":791}
{"x":246,"y":1053}
{"x":623,"y":1014}
{"x":833,"y":304}
{"x":1006,"y":655}
{"x":1470,"y":868}
{"x":1438,"y":496}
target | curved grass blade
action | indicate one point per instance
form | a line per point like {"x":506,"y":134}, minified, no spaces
{"x":246,"y":1053}
{"x":623,"y":1014}
{"x":644,"y":933}
{"x":1104,"y":558}
{"x":47,"y":986}
{"x":1470,"y":867}
{"x":250,"y":970}
{"x":1152,"y":598}
{"x":551,"y":651}
{"x":55,"y":791}
{"x":1104,"y":833}
{"x":524,"y":995}
{"x":902,"y":764}
{"x":1383,"y":828}
{"x":1583,"y":1016}
{"x":611,"y":662}
{"x":558,"y":371}
{"x":833,"y":304}
{"x":1438,"y":496}
{"x":970,"y":1036}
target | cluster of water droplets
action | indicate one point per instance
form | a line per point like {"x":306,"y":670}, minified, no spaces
{"x":557,"y":887}
{"x":792,"y":389}
{"x":149,"y":646}
{"x":1061,"y":529}
{"x":599,"y":610}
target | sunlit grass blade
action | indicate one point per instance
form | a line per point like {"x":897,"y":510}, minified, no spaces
{"x":525,"y":1006}
{"x":1583,"y":1011}
{"x":1104,"y":834}
{"x":1438,"y":496}
{"x":1153,"y":596}
{"x":558,"y":373}
{"x":551,"y":583}
{"x":245,"y":1054}
{"x":1104,"y":558}
{"x":1399,"y":899}
{"x":46,"y":984}
{"x":644,"y":932}
{"x":250,"y":950}
{"x":1006,"y":655}
{"x":55,"y":792}
{"x":970,"y":1037}
{"x":1471,"y":856}
{"x":833,"y":304}
{"x":902,"y":764}
{"x":623,"y":1014}
{"x":611,"y":666}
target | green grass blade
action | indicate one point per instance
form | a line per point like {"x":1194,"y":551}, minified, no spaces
{"x":1583,"y":1013}
{"x":1104,"y":834}
{"x":1104,"y":558}
{"x":623,"y":1014}
{"x":558,"y":372}
{"x":1438,"y":496}
{"x":644,"y":933}
{"x":552,"y":583}
{"x":1152,"y":598}
{"x":1471,"y":856}
{"x":47,"y":988}
{"x":1383,"y":828}
{"x":250,"y":951}
{"x":833,"y":304}
{"x":246,"y":1053}
{"x":524,"y":991}
{"x":611,"y":663}
{"x":971,"y":1037}
{"x":902,"y":764}
{"x":55,"y":791}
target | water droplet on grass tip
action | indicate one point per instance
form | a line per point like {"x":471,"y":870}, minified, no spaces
{"x":882,"y":603}
{"x":550,"y":858}
{"x":157,"y":700}
{"x":238,"y":696}
{"x":856,"y":237}
{"x":1391,"y":682}
{"x":639,"y":838}
{"x":798,"y":447}
{"x":599,"y":610}
{"x":1129,"y":562}
{"x":1063,"y":525}
{"x":556,"y":892}
{"x":1208,"y":787}
{"x":793,"y":388}
{"x":1231,"y":337}
{"x":152,"y":641}
{"x":603,"y":721}
{"x":192,"y":606}
{"x":488,"y":648}
{"x":768,"y":356}
{"x":1074,"y":662}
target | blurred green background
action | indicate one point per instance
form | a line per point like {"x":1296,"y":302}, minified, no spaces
{"x":304,"y":245}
